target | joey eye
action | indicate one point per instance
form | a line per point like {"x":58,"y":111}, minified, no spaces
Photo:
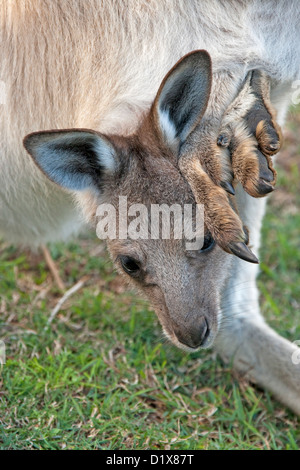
{"x":208,"y":243}
{"x":129,"y":265}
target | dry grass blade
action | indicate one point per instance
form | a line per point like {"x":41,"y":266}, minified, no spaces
{"x":53,"y":269}
{"x":64,"y":298}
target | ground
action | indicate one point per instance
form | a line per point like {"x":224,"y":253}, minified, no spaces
{"x":101,"y":376}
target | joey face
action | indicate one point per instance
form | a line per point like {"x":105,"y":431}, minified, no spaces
{"x":182,"y":284}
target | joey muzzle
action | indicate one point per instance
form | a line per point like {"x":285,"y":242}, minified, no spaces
{"x":193,"y":335}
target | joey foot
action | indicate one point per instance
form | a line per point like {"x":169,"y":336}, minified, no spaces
{"x":239,"y":150}
{"x":250,"y":134}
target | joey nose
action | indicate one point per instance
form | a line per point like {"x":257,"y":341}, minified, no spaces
{"x":195,"y":334}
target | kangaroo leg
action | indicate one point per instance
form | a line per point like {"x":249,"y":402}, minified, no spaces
{"x":244,"y":339}
{"x":262,"y":356}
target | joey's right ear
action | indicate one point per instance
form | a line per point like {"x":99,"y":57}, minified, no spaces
{"x":182,"y":98}
{"x":75,"y":159}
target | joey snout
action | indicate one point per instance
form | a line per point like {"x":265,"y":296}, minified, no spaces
{"x":193,"y":331}
{"x":194,"y":335}
{"x":188,"y":321}
{"x":190,"y":324}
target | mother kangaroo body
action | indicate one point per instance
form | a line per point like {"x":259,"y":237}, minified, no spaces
{"x":102,"y":65}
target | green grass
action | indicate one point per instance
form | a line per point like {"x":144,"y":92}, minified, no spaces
{"x":102,"y":377}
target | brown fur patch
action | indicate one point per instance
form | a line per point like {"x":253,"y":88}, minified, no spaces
{"x":244,"y":161}
{"x":221,"y":220}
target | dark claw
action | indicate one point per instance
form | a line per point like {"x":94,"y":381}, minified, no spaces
{"x":274,"y":146}
{"x":228,"y":187}
{"x":263,"y":187}
{"x":264,"y":171}
{"x":241,"y":250}
{"x":223,"y":141}
{"x":274,"y":139}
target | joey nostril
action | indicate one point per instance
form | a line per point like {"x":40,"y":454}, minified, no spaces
{"x":201,"y":332}
{"x":195,"y":335}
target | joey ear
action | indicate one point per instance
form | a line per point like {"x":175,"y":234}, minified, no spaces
{"x":75,"y":159}
{"x":183,"y":97}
